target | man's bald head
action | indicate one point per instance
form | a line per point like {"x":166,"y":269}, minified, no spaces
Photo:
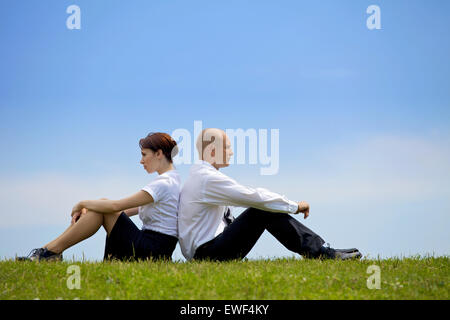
{"x":213,"y":146}
{"x":207,"y":137}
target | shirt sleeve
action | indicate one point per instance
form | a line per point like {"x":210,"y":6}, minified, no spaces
{"x":156,"y":189}
{"x":222,"y":190}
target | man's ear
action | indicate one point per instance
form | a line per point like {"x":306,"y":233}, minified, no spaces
{"x":213,"y":152}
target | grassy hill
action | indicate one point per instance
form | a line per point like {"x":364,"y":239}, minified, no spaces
{"x":286,"y":279}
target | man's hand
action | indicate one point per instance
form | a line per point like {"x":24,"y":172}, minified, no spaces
{"x":303,"y":207}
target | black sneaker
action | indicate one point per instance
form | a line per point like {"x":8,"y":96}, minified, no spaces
{"x":339,"y":254}
{"x":41,"y":254}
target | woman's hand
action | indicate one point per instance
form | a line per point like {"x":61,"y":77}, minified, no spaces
{"x":78,"y":215}
{"x":77,"y":208}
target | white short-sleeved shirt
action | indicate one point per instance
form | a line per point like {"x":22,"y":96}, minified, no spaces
{"x":162,"y":214}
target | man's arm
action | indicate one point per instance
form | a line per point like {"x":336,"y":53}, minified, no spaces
{"x":222,"y":190}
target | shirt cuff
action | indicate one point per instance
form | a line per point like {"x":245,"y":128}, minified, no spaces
{"x":292,"y":207}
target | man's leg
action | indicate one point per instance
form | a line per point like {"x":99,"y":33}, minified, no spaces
{"x":235,"y":242}
{"x":239,"y":237}
{"x":292,"y":233}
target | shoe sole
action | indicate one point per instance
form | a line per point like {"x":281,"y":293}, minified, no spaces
{"x":347,"y":250}
{"x":51,"y":259}
{"x":356,"y":256}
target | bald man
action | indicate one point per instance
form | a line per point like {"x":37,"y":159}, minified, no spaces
{"x":206,"y":228}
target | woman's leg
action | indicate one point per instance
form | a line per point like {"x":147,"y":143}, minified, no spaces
{"x":59,"y":236}
{"x":85,"y":227}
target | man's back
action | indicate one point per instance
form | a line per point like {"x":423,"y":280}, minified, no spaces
{"x":204,"y":200}
{"x":198,"y":221}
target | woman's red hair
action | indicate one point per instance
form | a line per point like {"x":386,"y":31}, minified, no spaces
{"x":160,"y":141}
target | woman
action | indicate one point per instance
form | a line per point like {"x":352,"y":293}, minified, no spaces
{"x":156,"y":204}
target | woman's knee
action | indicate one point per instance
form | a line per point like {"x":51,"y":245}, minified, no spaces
{"x":109,"y":220}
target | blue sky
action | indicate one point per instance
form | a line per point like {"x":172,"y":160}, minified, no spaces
{"x":363,"y":114}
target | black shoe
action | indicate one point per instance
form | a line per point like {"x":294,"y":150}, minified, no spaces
{"x":347,"y":250}
{"x":41,"y":254}
{"x":343,"y":250}
{"x":339,"y":254}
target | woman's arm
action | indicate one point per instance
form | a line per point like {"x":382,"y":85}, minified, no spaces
{"x":108,"y":206}
{"x":132,"y":212}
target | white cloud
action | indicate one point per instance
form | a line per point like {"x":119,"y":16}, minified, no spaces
{"x":383,"y":168}
{"x":391,"y":169}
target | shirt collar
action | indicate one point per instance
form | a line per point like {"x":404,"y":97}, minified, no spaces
{"x":204,"y":163}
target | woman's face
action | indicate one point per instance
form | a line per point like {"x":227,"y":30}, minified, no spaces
{"x":149,"y":160}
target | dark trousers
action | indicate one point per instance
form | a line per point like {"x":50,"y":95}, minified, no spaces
{"x":126,"y":242}
{"x":238,"y":238}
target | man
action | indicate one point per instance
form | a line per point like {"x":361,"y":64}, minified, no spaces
{"x":206,"y":228}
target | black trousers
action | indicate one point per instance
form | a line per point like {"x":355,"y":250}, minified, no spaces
{"x":238,"y":238}
{"x":126,"y":242}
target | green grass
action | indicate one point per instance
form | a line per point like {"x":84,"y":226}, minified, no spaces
{"x":287,"y":279}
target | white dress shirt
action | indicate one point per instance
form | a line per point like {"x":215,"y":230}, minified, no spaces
{"x":204,"y":199}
